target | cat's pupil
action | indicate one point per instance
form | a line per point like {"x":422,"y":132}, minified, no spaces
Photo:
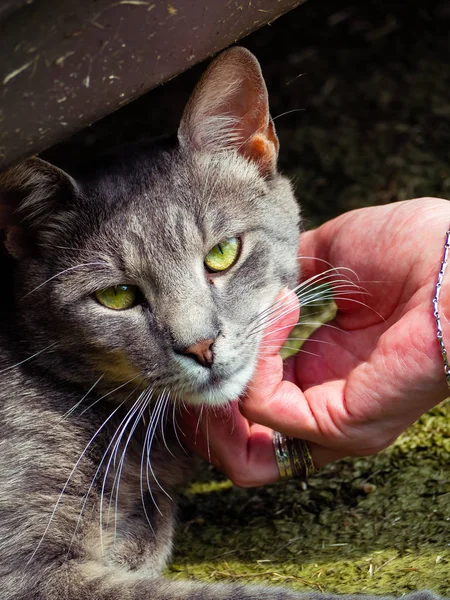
{"x":118,"y":297}
{"x":223,"y":255}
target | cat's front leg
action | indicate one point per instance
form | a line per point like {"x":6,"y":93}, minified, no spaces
{"x":171,"y":590}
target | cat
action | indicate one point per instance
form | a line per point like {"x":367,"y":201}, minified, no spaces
{"x":139,"y":284}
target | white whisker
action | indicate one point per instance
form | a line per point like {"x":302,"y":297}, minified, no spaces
{"x":86,"y":497}
{"x":176,"y":426}
{"x":268,"y":347}
{"x":27,"y":359}
{"x":62,"y":273}
{"x":149,"y":446}
{"x":146,"y":454}
{"x":164,"y":419}
{"x":75,"y":406}
{"x":116,"y":483}
{"x":119,"y":387}
{"x":141,"y":482}
{"x":55,"y":508}
{"x":115,"y":441}
{"x":303,"y":339}
{"x":208,"y":447}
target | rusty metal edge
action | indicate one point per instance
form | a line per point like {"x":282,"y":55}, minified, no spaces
{"x":67,"y":64}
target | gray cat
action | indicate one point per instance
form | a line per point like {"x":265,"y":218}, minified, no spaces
{"x":139,"y":284}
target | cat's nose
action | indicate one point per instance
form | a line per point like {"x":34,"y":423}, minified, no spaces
{"x":201,"y":351}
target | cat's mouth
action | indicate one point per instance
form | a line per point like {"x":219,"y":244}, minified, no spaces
{"x":215,"y":381}
{"x":220,"y":389}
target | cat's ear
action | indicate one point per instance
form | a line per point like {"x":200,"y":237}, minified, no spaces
{"x":229,"y":110}
{"x":30,"y":193}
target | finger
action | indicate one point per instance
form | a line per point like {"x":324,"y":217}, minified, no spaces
{"x":314,"y":416}
{"x":251,"y":463}
{"x":278,"y":403}
{"x":332,"y":353}
{"x":322,"y":455}
{"x":324,"y":251}
{"x":267,"y":390}
{"x":250,"y":466}
{"x":314,"y":250}
{"x":247,"y":453}
{"x":245,"y":450}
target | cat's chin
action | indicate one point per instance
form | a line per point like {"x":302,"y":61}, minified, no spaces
{"x":224,"y":393}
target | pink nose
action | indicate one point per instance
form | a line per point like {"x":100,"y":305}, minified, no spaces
{"x":202,"y":352}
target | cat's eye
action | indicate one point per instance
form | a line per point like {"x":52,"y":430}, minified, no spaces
{"x":118,"y":297}
{"x":223,"y":255}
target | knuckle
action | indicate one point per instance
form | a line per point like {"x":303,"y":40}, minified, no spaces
{"x":245,"y":483}
{"x":374,"y":447}
{"x":243,"y":479}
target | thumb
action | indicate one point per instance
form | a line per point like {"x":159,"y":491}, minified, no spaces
{"x":278,"y":403}
{"x":267,"y":385}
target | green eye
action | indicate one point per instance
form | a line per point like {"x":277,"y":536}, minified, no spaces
{"x":223,"y":256}
{"x":118,"y":297}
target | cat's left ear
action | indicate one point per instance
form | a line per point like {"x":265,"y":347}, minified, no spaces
{"x":30,"y":194}
{"x":229,"y":110}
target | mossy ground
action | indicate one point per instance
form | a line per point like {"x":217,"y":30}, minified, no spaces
{"x":378,"y":524}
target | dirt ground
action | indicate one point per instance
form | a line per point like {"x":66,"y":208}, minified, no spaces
{"x":360,"y":93}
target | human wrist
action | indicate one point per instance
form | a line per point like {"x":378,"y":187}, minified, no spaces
{"x":441,"y":307}
{"x":440,"y":289}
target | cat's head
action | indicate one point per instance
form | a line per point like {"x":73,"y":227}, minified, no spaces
{"x":153,"y":267}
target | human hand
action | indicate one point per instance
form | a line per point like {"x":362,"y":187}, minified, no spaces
{"x":371,"y":377}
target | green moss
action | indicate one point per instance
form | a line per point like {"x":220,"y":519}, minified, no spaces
{"x":378,"y":524}
{"x":312,"y":317}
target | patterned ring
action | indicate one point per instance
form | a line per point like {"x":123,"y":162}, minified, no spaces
{"x":293,"y":457}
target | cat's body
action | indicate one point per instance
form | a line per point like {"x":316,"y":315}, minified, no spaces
{"x":72,"y":559}
{"x":90,"y":462}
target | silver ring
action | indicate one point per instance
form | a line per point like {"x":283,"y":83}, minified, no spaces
{"x":293,"y":457}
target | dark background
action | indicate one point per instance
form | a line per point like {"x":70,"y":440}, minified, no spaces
{"x":369,"y":87}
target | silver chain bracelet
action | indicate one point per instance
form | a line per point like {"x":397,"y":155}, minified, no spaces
{"x":437,"y":294}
